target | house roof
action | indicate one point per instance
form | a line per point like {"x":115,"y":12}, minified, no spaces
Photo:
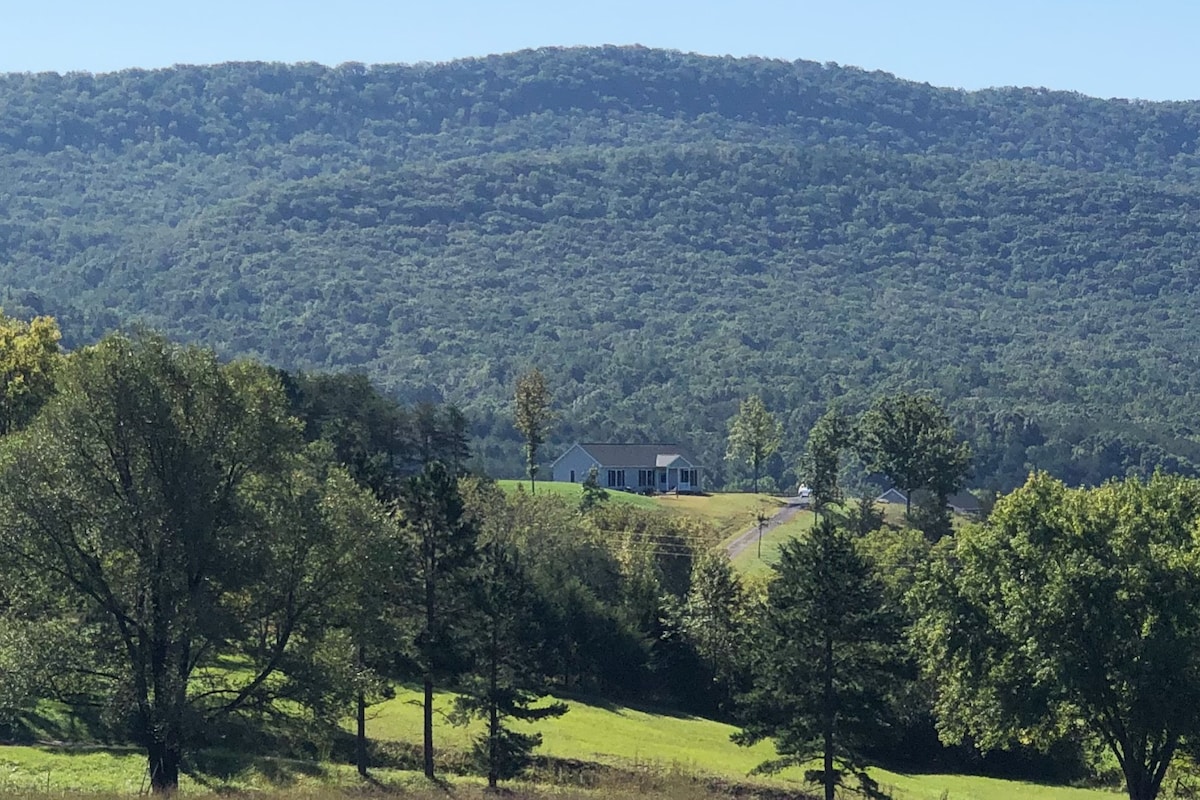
{"x":963,"y":501}
{"x":636,"y":455}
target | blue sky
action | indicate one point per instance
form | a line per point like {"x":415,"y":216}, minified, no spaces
{"x":1130,"y":49}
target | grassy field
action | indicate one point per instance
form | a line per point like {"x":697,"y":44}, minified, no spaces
{"x":655,"y":754}
{"x":748,"y":562}
{"x":729,"y":513}
{"x":573,"y":492}
{"x":679,"y":744}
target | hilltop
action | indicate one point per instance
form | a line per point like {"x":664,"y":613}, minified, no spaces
{"x":662,"y":233}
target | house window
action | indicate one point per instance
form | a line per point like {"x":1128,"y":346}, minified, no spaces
{"x":646,"y":478}
{"x":572,"y":476}
{"x":616,"y":478}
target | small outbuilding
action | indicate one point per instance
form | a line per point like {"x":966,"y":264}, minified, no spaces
{"x":960,"y":503}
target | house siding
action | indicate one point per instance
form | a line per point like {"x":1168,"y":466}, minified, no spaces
{"x":574,"y":464}
{"x":574,"y":459}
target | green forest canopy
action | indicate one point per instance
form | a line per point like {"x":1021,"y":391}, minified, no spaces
{"x":662,"y":234}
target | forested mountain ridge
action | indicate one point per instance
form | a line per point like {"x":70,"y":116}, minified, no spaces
{"x":662,"y":233}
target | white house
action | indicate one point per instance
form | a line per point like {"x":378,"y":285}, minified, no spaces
{"x":637,"y":467}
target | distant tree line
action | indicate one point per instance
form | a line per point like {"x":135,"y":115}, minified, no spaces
{"x":664,"y":232}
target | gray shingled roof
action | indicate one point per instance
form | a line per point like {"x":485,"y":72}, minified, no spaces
{"x":634,"y":455}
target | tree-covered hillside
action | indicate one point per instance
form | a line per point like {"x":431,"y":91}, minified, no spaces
{"x":662,"y":234}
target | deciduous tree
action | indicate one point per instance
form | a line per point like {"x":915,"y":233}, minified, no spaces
{"x":911,"y":439}
{"x":532,"y":416}
{"x":1073,"y":609}
{"x":169,"y":501}
{"x":754,"y":436}
{"x":29,"y":352}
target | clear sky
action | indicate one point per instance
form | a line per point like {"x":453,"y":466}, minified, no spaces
{"x":1147,"y":49}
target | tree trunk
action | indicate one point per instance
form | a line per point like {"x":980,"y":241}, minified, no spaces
{"x":493,"y":698}
{"x":431,"y":565}
{"x":428,"y":724}
{"x":360,"y":750}
{"x":1140,"y":783}
{"x":493,"y":742}
{"x":164,"y":767}
{"x":360,"y":742}
{"x":829,"y":713}
{"x":430,"y":623}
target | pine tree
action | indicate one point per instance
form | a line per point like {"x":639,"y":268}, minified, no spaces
{"x":823,"y":656}
{"x":505,"y":683}
{"x":444,"y":535}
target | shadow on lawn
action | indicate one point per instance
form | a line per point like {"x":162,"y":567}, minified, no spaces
{"x":606,"y":704}
{"x":215,"y":769}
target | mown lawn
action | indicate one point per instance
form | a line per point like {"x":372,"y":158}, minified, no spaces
{"x":658,"y":752}
{"x":574,"y":491}
{"x":748,"y":562}
{"x":683,"y":744}
{"x":729,"y":513}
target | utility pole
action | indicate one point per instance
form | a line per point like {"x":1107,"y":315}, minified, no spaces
{"x":762,"y":518}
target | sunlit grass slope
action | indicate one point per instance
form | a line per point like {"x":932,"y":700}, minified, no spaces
{"x":730,"y":513}
{"x":644,"y":742}
{"x":573,"y":492}
{"x":629,"y":737}
{"x":749,"y":563}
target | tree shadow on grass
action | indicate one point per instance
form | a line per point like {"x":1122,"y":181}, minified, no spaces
{"x":605,"y":704}
{"x":216,"y":769}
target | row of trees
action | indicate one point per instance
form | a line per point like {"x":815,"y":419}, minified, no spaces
{"x":197,"y":552}
{"x":1069,"y":621}
{"x":907,"y":438}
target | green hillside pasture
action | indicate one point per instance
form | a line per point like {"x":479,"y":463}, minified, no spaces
{"x":729,"y":513}
{"x":685,"y":745}
{"x":574,"y":491}
{"x":748,"y":562}
{"x":660,"y":752}
{"x":121,"y":771}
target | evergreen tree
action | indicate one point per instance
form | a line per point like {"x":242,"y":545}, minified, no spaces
{"x":444,"y":537}
{"x":823,"y":659}
{"x":505,"y":682}
{"x":592,"y":493}
{"x":831,"y":434}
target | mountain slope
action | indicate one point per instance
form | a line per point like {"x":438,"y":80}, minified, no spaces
{"x":662,"y":233}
